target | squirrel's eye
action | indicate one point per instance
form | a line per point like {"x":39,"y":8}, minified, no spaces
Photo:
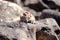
{"x":24,"y":14}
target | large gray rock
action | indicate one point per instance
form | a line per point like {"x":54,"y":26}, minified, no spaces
{"x":27,"y":31}
{"x":24,"y":31}
{"x":10,"y":11}
{"x":17,"y":31}
{"x":49,"y":26}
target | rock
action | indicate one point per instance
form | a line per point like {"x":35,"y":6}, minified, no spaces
{"x":16,"y":30}
{"x":48,"y":13}
{"x":10,"y":11}
{"x":16,"y":23}
{"x":7,"y":33}
{"x":27,"y":31}
{"x":49,"y":26}
{"x":49,"y":23}
{"x":12,"y":31}
{"x":30,"y":30}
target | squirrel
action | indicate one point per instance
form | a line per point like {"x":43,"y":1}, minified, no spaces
{"x":28,"y":17}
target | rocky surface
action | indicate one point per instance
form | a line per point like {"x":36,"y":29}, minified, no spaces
{"x":10,"y":12}
{"x":48,"y":13}
{"x":23,"y":31}
{"x":29,"y":20}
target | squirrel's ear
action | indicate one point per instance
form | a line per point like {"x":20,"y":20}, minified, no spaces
{"x":26,"y":12}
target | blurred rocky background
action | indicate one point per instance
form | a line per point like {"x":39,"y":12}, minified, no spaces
{"x":46,"y":26}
